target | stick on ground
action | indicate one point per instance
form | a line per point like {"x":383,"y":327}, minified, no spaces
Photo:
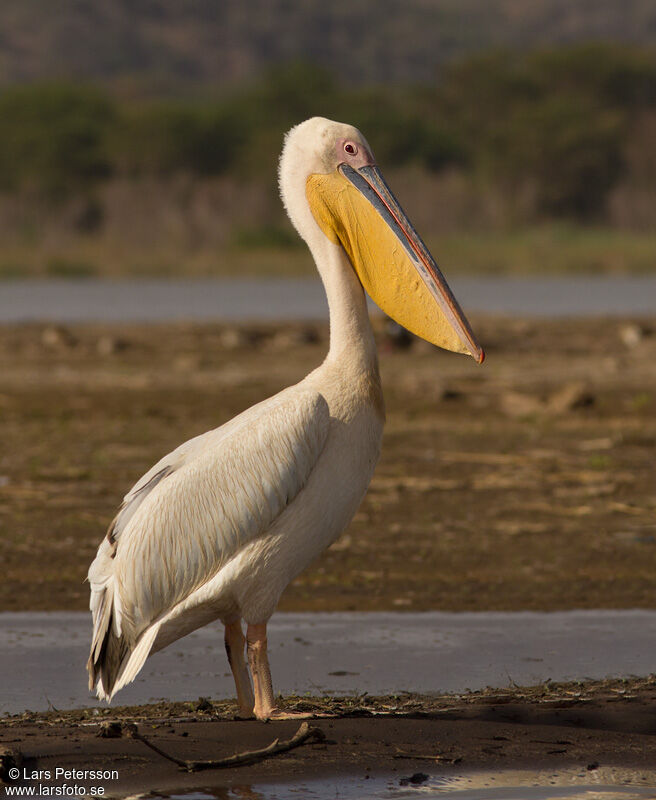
{"x":306,"y":734}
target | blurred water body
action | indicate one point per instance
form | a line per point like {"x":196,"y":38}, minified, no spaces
{"x":151,"y":301}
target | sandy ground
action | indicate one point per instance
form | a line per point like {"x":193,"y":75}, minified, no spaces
{"x":598,"y":729}
{"x":527,"y":483}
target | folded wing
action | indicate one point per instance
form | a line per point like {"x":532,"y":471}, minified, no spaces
{"x":191,"y":513}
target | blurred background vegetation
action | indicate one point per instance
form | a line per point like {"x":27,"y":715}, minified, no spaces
{"x":142,"y":138}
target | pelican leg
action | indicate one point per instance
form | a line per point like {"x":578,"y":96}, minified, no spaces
{"x":265,"y":707}
{"x":235,"y":647}
{"x":258,"y":661}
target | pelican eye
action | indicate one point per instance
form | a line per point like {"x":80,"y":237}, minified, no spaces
{"x":350,"y":148}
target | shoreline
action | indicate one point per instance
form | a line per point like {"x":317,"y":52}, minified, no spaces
{"x":602,"y":728}
{"x":336,"y":654}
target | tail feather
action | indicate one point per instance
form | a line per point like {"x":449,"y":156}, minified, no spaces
{"x":115,"y":658}
{"x":113,"y":661}
{"x":130,"y":664}
{"x":107,"y":648}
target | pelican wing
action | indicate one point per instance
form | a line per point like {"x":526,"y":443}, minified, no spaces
{"x":168,"y":464}
{"x":199,"y":506}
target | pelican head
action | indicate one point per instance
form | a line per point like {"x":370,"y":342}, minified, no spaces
{"x":335,"y":193}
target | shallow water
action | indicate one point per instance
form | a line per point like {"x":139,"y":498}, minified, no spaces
{"x":575,"y":784}
{"x":43,"y":654}
{"x":297,"y":299}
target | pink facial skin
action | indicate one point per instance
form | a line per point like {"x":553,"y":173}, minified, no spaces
{"x":360,"y":157}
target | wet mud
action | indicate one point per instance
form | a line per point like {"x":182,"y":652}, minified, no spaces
{"x":601,"y":732}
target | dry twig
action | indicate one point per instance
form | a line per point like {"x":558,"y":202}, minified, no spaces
{"x":304,"y":735}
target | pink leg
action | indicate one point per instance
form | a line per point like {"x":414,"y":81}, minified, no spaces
{"x":234,"y":645}
{"x":265,"y":707}
{"x":259,"y":663}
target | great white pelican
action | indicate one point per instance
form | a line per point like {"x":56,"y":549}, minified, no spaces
{"x":220,"y":526}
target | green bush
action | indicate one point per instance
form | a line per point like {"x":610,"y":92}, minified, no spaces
{"x":571,"y":149}
{"x":557,"y":119}
{"x":166,"y":138}
{"x":53,"y":138}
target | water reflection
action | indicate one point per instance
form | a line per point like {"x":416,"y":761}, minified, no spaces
{"x":605,"y":783}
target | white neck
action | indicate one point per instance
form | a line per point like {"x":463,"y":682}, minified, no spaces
{"x":351,"y":338}
{"x":352,"y":341}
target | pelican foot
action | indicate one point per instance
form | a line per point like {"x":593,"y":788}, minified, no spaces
{"x":276,"y":714}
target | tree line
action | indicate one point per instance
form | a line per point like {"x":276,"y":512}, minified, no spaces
{"x":567,"y":124}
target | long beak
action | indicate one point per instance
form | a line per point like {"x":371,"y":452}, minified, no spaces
{"x":371,"y":184}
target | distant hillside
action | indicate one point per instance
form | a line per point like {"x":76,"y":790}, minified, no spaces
{"x":164,"y":45}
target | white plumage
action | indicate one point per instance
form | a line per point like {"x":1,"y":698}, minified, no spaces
{"x":220,"y":526}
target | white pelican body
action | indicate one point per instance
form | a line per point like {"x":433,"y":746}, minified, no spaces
{"x":220,"y":526}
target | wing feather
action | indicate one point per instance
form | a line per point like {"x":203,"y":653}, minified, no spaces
{"x":198,"y":507}
{"x":183,"y":454}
